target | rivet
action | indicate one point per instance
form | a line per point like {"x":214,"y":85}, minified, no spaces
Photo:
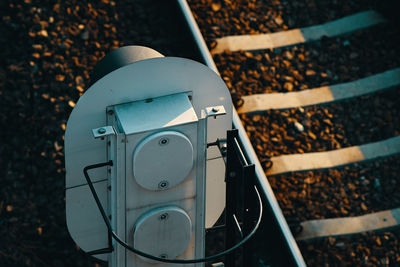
{"x":163,"y":184}
{"x":101,"y":131}
{"x":164,"y":216}
{"x":224,"y":148}
{"x":163,"y":141}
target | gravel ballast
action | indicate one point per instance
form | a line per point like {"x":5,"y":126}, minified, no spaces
{"x":312,"y":65}
{"x":357,"y":121}
{"x":48,"y":50}
{"x":366,"y":249}
{"x":222,"y":18}
{"x":353,"y":190}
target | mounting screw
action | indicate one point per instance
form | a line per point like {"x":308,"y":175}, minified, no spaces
{"x":232,"y":174}
{"x":224,"y":149}
{"x":164,"y":216}
{"x":163,"y":141}
{"x":101,"y":131}
{"x":163,"y":185}
{"x":215,"y":109}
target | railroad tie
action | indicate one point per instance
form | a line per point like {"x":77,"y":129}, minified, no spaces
{"x":322,"y":95}
{"x":334,"y":158}
{"x":337,"y":27}
{"x":350,"y":225}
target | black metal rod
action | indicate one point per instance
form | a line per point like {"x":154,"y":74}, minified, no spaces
{"x":144,"y":254}
{"x":100,"y":251}
{"x":248,"y":211}
{"x":239,"y":151}
{"x":230,"y":204}
{"x":237,"y":224}
{"x":240,"y":181}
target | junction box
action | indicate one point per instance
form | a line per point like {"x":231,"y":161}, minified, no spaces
{"x":157,"y":181}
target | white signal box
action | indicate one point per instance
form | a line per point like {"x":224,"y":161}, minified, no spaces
{"x":159,"y":155}
{"x":153,"y":118}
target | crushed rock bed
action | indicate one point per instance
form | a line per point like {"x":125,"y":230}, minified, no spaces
{"x":357,"y":121}
{"x":366,"y":249}
{"x":352,"y":190}
{"x":331,"y":61}
{"x":222,"y":18}
{"x":48,"y":50}
{"x":353,"y":122}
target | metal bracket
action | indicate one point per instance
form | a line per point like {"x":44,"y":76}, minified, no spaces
{"x":214,"y":111}
{"x":240,"y":199}
{"x":103,"y":132}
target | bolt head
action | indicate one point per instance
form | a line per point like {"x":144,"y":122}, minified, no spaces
{"x":215,"y":109}
{"x":163,"y":184}
{"x":163,"y":141}
{"x":101,"y":131}
{"x":164,"y":216}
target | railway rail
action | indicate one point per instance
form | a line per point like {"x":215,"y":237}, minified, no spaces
{"x":347,"y":124}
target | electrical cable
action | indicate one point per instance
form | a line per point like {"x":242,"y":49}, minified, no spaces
{"x":144,"y":254}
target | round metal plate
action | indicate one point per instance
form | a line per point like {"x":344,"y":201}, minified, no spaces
{"x":162,"y":160}
{"x":175,"y":226}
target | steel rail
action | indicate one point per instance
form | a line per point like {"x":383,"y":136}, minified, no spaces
{"x":248,"y":148}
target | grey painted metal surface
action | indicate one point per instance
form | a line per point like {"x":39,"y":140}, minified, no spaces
{"x":250,"y":153}
{"x":121,"y":57}
{"x":163,"y":152}
{"x":173,"y":222}
{"x":144,"y":79}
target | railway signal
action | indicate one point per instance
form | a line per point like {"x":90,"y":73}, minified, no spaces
{"x":143,"y":173}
